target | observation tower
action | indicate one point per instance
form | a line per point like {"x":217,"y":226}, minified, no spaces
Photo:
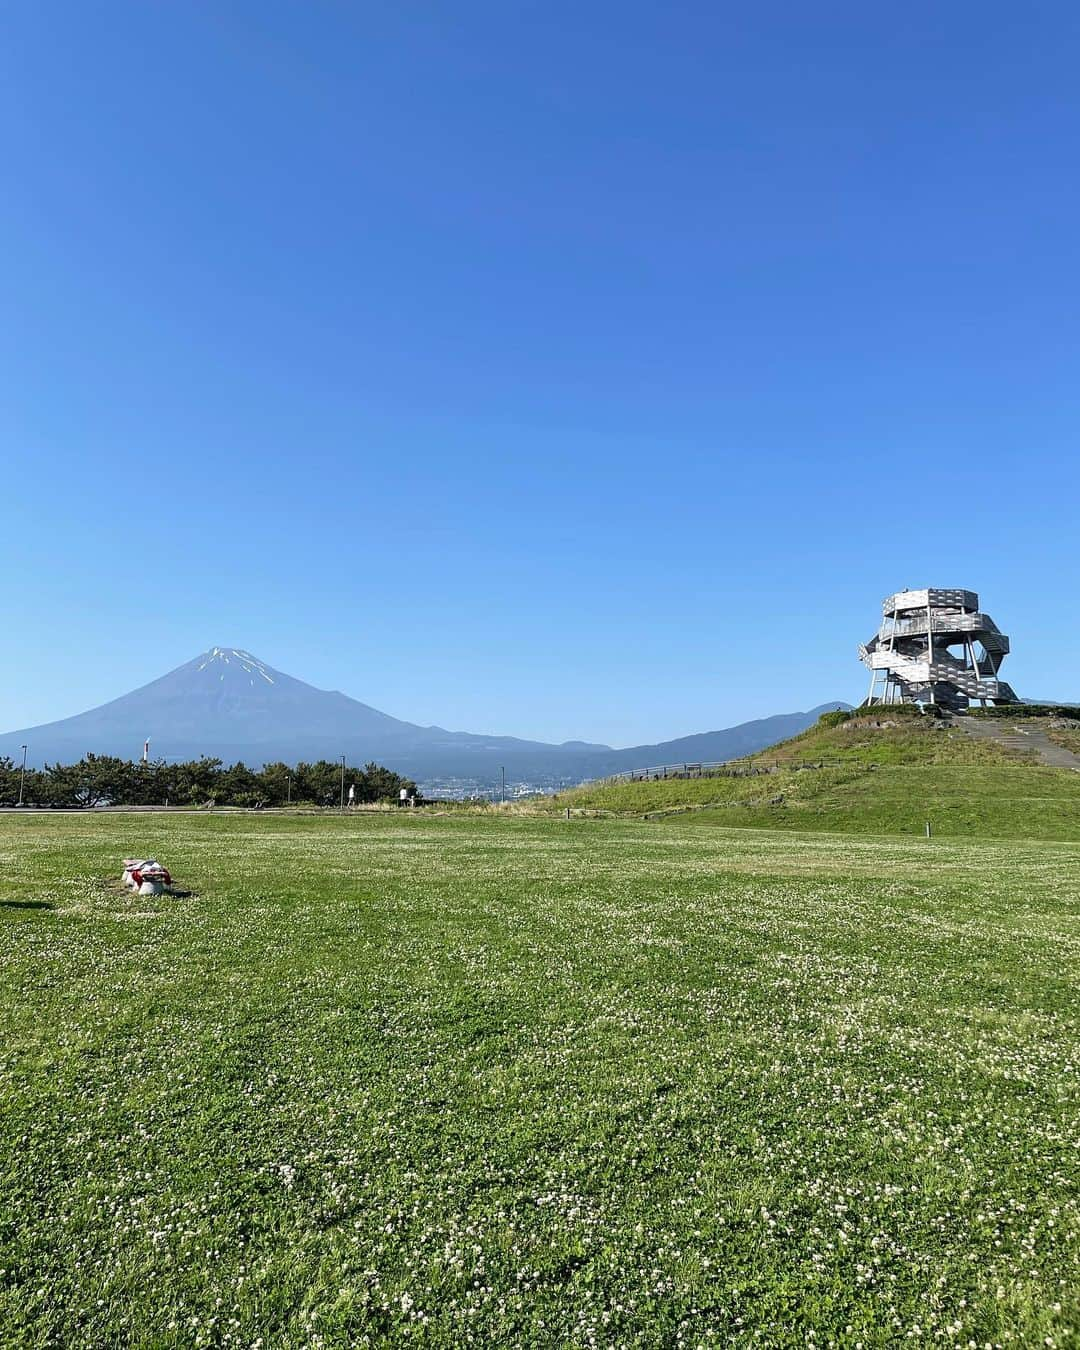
{"x":935,"y":646}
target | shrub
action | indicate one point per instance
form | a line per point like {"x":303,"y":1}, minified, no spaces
{"x":1028,"y":710}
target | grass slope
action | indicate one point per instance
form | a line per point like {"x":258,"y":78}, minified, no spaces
{"x":885,"y":779}
{"x":530,"y":1082}
{"x":1066,"y":736}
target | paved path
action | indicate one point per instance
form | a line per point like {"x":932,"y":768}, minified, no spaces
{"x":1014,"y":737}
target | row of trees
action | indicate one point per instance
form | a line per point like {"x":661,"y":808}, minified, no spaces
{"x":102,"y":780}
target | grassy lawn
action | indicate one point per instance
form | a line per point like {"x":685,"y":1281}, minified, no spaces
{"x":1067,"y":736}
{"x":876,"y":780}
{"x":482,"y":1081}
{"x":976,"y":801}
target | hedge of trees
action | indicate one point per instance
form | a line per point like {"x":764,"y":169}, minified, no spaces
{"x":102,"y":780}
{"x":840,"y":715}
{"x":1071,"y":711}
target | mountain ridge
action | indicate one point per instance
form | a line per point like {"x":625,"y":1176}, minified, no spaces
{"x":229,"y":704}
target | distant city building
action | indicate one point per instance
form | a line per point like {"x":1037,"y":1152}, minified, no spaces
{"x":934,"y":646}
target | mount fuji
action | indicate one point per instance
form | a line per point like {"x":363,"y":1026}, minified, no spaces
{"x":228,"y":704}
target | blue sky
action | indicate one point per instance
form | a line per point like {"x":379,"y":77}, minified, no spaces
{"x":566,"y":370}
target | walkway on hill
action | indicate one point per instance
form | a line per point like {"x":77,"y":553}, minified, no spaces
{"x":1013,"y":737}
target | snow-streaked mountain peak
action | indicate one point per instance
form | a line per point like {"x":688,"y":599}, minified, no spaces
{"x":225,"y":703}
{"x":239,"y":659}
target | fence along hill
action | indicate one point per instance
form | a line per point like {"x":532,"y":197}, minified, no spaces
{"x":883,"y":770}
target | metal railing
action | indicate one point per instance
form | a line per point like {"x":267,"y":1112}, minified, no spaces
{"x":746,"y":767}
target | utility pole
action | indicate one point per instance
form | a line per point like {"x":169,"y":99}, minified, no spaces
{"x":288,"y":789}
{"x":502,"y":771}
{"x":343,"y":782}
{"x":22,"y":775}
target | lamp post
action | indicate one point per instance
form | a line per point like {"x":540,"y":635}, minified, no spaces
{"x":343,"y":782}
{"x":288,"y":789}
{"x":22,"y":775}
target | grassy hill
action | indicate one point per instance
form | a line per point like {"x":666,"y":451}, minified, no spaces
{"x":881,"y":774}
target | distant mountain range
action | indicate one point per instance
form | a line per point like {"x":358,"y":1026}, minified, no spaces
{"x":228,"y":704}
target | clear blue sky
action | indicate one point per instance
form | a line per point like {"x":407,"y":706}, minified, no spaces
{"x":567,"y":370}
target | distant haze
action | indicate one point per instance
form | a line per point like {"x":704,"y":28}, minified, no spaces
{"x":228,"y":704}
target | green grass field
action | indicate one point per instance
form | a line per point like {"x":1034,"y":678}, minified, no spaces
{"x":876,"y":780}
{"x":530,"y":1082}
